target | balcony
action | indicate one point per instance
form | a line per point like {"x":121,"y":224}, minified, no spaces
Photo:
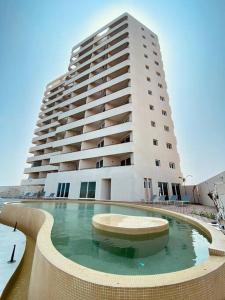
{"x":44,"y":136}
{"x":91,"y":153}
{"x":33,"y":181}
{"x":44,"y":128}
{"x":41,"y":157}
{"x":111,"y":97}
{"x":107,"y":85}
{"x":94,"y":79}
{"x":97,"y":117}
{"x":40,"y":147}
{"x":84,"y":51}
{"x":119,"y":128}
{"x":45,"y":168}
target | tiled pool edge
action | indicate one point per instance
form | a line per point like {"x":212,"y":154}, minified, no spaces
{"x":55,"y":277}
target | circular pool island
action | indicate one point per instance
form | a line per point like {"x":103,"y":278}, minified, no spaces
{"x":129,"y":225}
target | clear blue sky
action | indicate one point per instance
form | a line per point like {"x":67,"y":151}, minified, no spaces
{"x":36,"y":38}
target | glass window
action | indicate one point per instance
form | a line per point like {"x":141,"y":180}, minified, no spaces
{"x":166,"y":128}
{"x":91,"y":189}
{"x":172,"y":165}
{"x":58,"y":190}
{"x":163,"y":189}
{"x":168,"y":145}
{"x":153,"y":123}
{"x":176,"y":190}
{"x":67,"y":190}
{"x":157,"y":163}
{"x":83,"y":189}
{"x":155,"y":142}
{"x":62,"y":190}
{"x":126,"y":139}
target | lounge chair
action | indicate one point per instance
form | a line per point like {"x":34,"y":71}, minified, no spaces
{"x":33,"y":195}
{"x":185,"y":199}
{"x":26,"y":195}
{"x":162,"y":199}
{"x":42,"y":194}
{"x":51,"y":195}
{"x":172,"y":199}
{"x":155,"y":199}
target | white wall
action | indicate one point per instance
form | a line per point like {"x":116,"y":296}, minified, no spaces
{"x":208,"y":185}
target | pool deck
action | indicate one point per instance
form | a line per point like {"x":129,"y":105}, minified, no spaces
{"x":9,"y":238}
{"x":193,"y":210}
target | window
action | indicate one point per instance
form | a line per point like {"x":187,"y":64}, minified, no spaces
{"x":126,"y":139}
{"x":148,"y":79}
{"x":152,"y":35}
{"x":166,"y":128}
{"x":99,"y":164}
{"x":153,"y":123}
{"x":67,"y":190}
{"x":149,"y":92}
{"x":162,"y":98}
{"x":155,"y":142}
{"x":87,"y":189}
{"x":156,"y":62}
{"x":144,"y":46}
{"x":101,"y":144}
{"x":143,"y":37}
{"x":164,"y":113}
{"x":163,"y":189}
{"x":142,"y":28}
{"x":157,"y":163}
{"x":160,"y":85}
{"x":145,"y":55}
{"x":147,"y":183}
{"x":153,"y":44}
{"x":155,"y":53}
{"x":172,"y":165}
{"x":125,"y":162}
{"x":102,"y":125}
{"x":147,"y":67}
{"x":176,"y":190}
{"x":63,"y":190}
{"x":151,"y":107}
{"x":158,"y":74}
{"x":168,"y":145}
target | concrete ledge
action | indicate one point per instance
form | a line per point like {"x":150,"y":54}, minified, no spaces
{"x":8,"y":238}
{"x":56,"y":277}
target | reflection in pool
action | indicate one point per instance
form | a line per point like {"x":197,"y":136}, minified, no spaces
{"x":130,"y":246}
{"x":73,"y":236}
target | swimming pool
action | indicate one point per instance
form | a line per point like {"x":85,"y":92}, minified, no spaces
{"x":74,"y":237}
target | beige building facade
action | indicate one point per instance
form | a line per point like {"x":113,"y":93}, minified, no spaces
{"x":105,"y":129}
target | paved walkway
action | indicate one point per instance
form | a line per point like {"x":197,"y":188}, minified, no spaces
{"x":201,"y":212}
{"x":9,"y":238}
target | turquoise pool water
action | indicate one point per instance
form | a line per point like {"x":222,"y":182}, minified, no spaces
{"x":74,"y":237}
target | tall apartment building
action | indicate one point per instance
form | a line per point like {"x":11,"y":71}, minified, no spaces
{"x":105,"y":129}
